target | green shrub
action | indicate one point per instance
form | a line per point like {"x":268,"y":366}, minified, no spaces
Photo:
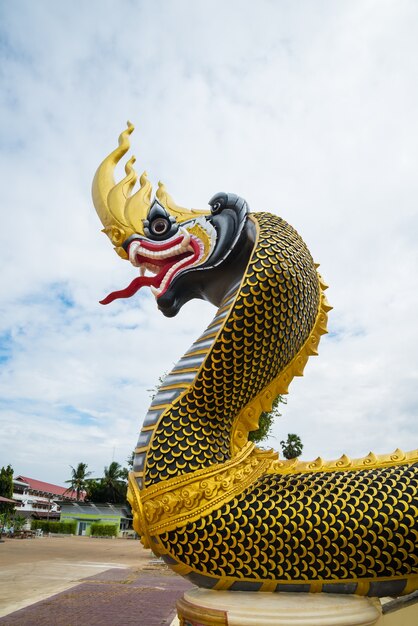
{"x":103,"y":530}
{"x":64,"y":528}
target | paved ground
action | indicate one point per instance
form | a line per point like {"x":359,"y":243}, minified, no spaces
{"x":117,"y":596}
{"x":128,"y":585}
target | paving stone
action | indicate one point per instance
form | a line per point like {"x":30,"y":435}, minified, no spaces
{"x":117,"y":596}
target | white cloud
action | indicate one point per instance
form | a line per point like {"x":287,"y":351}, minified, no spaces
{"x":305,"y":109}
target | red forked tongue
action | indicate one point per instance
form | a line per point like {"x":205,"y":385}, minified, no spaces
{"x":130,"y":290}
{"x":151,"y":281}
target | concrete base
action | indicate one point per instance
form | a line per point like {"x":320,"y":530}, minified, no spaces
{"x":202,"y":607}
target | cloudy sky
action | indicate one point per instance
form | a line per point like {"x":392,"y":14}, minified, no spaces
{"x":306,"y":109}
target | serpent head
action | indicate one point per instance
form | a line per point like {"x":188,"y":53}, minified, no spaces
{"x":180,"y":254}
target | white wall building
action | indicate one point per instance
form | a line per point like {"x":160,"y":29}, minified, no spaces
{"x":38,"y":499}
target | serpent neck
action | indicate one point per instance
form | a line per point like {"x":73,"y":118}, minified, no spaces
{"x":252,"y":337}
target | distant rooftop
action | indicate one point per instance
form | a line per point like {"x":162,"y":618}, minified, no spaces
{"x":39,"y":485}
{"x":2,"y":499}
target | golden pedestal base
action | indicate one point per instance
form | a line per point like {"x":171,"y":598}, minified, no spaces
{"x":202,"y":607}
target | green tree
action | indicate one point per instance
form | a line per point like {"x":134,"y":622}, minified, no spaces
{"x":130,"y":463}
{"x":154,"y":390}
{"x":266,"y":420}
{"x":111,"y":488}
{"x":18,"y":522}
{"x":113,"y":480}
{"x":96,"y":491}
{"x":6,"y":490}
{"x":79,"y":479}
{"x":130,"y":460}
{"x":292,"y":447}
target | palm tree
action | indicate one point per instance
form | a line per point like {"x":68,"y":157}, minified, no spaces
{"x":79,"y":479}
{"x":113,"y":481}
{"x":292,"y":447}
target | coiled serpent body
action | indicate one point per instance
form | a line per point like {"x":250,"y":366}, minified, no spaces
{"x":345,"y":528}
{"x":216,"y":508}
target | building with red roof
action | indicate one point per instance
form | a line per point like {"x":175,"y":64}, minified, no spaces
{"x":39,"y":500}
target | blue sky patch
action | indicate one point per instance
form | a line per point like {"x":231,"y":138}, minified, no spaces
{"x":6,"y":343}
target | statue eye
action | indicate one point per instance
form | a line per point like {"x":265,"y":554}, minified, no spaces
{"x":159,"y":226}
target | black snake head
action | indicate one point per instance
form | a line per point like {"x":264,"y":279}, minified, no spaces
{"x":226,"y":262}
{"x":189,"y":255}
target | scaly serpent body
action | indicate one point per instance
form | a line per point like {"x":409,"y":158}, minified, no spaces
{"x":216,"y":508}
{"x":260,"y":326}
{"x":351,"y":529}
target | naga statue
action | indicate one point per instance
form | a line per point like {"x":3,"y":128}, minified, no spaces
{"x":217,"y":509}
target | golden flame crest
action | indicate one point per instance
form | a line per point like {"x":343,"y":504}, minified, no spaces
{"x":122,"y":212}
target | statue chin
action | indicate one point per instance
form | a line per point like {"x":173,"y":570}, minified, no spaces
{"x":169,"y":304}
